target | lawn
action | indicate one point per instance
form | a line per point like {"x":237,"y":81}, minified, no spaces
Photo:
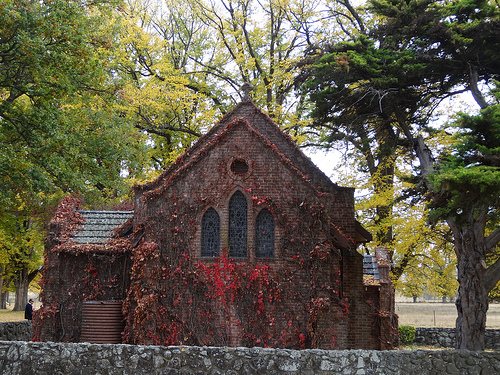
{"x":414,"y":314}
{"x":11,"y":316}
{"x":439,"y":314}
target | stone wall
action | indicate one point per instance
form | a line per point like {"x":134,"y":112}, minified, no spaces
{"x":438,"y":337}
{"x":15,"y":331}
{"x":75,"y":359}
{"x":445,"y":337}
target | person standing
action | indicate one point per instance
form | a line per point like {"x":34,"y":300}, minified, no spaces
{"x":28,"y":311}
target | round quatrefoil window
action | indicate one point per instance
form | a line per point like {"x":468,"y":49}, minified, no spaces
{"x":239,"y":167}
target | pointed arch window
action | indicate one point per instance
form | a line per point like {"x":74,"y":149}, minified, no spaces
{"x":210,"y":233}
{"x":238,"y":225}
{"x":264,"y":234}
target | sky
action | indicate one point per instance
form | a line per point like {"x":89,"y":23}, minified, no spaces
{"x":329,"y":161}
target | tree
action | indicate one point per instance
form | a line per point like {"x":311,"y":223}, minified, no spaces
{"x":187,"y":61}
{"x":60,"y":131}
{"x":419,"y":53}
{"x":464,"y":191}
{"x":432,"y":272}
{"x":412,"y":283}
{"x":413,"y":238}
{"x":160,"y":96}
{"x":372,"y":98}
{"x":262,"y":40}
{"x":443,"y":276}
{"x":456,"y":39}
{"x":56,"y":95}
{"x":459,"y":39}
{"x":22,"y":248}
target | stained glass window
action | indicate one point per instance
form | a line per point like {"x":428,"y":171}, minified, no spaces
{"x":238,"y":225}
{"x":264,"y":234}
{"x":210,"y":233}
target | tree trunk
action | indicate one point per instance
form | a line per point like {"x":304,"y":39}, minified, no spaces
{"x":472,"y":301}
{"x":473,"y":86}
{"x":22,"y":286}
{"x":470,"y":248}
{"x":4,"y":295}
{"x":3,"y":302}
{"x":4,"y":298}
{"x":383,"y":182}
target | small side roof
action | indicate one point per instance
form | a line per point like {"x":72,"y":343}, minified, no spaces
{"x":98,"y":226}
{"x":362,"y":235}
{"x":370,"y":266}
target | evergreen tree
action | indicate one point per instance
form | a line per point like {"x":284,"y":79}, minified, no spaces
{"x":465,"y":191}
{"x":380,"y":92}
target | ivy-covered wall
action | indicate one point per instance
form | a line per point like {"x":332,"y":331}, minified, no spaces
{"x":310,"y":294}
{"x":298,"y":299}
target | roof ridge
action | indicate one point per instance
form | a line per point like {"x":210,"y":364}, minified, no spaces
{"x":106,"y":211}
{"x":248,"y":110}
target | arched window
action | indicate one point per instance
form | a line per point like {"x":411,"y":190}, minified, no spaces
{"x":264,"y":234}
{"x":238,"y":225}
{"x":210,"y":233}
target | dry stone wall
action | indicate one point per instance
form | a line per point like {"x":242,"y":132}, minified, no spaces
{"x":95,"y":359}
{"x":15,"y":331}
{"x":445,"y":337}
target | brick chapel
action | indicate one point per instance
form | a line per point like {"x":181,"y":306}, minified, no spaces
{"x":242,"y":241}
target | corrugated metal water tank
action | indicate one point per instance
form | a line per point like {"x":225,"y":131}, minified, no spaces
{"x":102,"y":322}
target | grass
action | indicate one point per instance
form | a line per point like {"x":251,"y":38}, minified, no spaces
{"x":11,"y":316}
{"x":413,"y":314}
{"x":439,"y":314}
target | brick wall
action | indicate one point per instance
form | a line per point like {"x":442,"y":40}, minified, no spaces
{"x":171,"y":216}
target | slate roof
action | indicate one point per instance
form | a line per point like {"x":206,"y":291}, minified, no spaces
{"x":98,"y":226}
{"x":370,"y":266}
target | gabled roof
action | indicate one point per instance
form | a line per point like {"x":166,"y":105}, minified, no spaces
{"x":98,"y":226}
{"x":168,"y":178}
{"x":264,"y":125}
{"x":247,"y":114}
{"x":361,"y":235}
